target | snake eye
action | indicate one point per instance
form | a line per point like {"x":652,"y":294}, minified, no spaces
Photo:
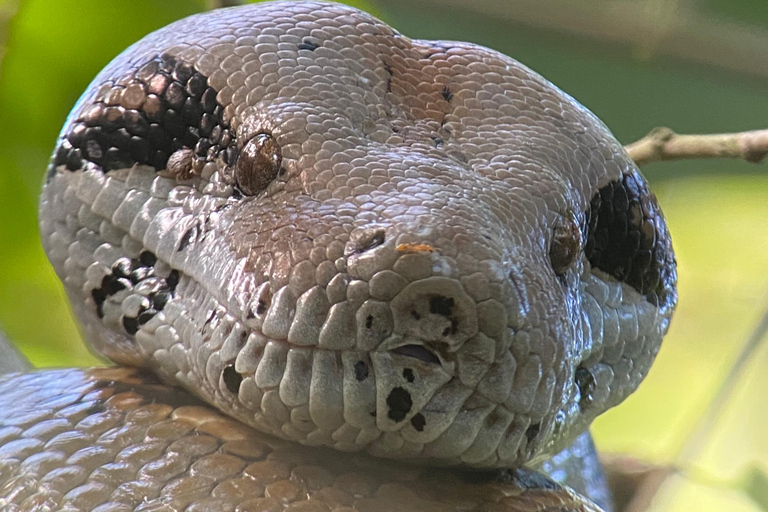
{"x":258,"y":164}
{"x":566,"y":243}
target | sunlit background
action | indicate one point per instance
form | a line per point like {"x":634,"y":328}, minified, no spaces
{"x":692,"y":65}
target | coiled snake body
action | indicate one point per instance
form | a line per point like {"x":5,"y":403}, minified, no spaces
{"x":344,"y":238}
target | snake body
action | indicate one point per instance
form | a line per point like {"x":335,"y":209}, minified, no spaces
{"x":346,"y":238}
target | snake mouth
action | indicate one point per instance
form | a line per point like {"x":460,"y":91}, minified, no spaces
{"x":417,"y":352}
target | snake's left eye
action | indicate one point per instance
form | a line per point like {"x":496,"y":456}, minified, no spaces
{"x":258,"y":164}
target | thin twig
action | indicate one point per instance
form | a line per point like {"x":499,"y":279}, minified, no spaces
{"x":664,"y":144}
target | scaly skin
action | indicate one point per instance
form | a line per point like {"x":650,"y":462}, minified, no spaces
{"x":348,"y":238}
{"x":421,"y":189}
{"x":115,"y":440}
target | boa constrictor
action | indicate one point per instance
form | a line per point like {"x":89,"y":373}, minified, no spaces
{"x":345,"y":239}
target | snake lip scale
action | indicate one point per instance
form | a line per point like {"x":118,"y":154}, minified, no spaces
{"x":345,"y":237}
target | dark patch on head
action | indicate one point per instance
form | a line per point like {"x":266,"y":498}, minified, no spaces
{"x":532,"y":431}
{"x":399,"y":403}
{"x":408,"y":374}
{"x":415,"y":314}
{"x":627,"y":238}
{"x":307,"y":44}
{"x":144,"y":117}
{"x":361,"y":371}
{"x":447,"y":94}
{"x":369,"y":322}
{"x":232,"y":378}
{"x":418,"y":422}
{"x":442,"y":306}
{"x":585,"y":381}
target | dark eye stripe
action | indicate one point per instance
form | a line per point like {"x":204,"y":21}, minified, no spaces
{"x":144,"y":117}
{"x":627,"y":238}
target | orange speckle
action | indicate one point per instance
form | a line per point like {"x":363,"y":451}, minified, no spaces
{"x":412,"y":248}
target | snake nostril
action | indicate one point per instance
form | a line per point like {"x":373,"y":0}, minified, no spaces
{"x":418,"y":352}
{"x":366,"y":240}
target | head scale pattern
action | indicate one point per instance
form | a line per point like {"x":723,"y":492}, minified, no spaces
{"x":346,"y":237}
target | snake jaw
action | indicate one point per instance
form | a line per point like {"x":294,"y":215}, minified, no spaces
{"x":488,"y":221}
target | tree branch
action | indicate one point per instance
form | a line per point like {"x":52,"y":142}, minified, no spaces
{"x":664,"y":144}
{"x":218,"y":4}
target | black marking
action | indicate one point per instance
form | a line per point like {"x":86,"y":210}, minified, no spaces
{"x":418,"y":352}
{"x":145,"y":116}
{"x":399,"y":403}
{"x":187,"y":238}
{"x":408,"y":374}
{"x":447,"y":94}
{"x":442,"y":306}
{"x":147,"y":259}
{"x":172,"y":280}
{"x":415,"y":314}
{"x":160,"y":299}
{"x":306,"y":44}
{"x":438,"y":141}
{"x":145,"y":316}
{"x":369,"y":322}
{"x":127,"y":273}
{"x":131,"y":325}
{"x":585,"y":381}
{"x":391,"y":74}
{"x":361,"y":371}
{"x":261,"y":307}
{"x":232,"y":378}
{"x":532,"y":431}
{"x":418,"y":422}
{"x":627,"y":237}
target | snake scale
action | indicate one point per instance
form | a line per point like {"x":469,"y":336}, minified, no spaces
{"x":350,"y":241}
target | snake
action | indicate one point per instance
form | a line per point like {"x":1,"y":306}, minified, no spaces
{"x":337,"y":269}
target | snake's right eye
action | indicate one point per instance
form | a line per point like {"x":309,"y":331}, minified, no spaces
{"x":566,"y":244}
{"x":258,"y":164}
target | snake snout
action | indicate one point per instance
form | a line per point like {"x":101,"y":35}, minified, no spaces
{"x":435,"y":309}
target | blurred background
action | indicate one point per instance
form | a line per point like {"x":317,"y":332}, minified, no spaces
{"x":692,"y":65}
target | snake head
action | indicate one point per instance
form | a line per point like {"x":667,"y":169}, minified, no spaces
{"x":346,"y":237}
